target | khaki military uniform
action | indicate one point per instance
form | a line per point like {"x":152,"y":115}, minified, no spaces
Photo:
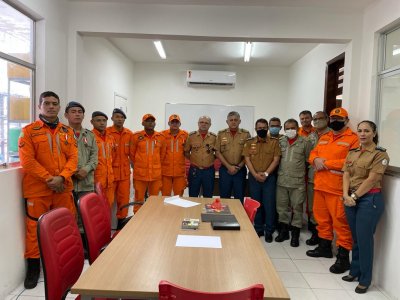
{"x":261,"y":153}
{"x":291,"y":184}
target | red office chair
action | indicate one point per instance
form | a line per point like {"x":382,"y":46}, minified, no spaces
{"x":96,"y":220}
{"x":170,"y":291}
{"x":61,"y":251}
{"x":251,"y":206}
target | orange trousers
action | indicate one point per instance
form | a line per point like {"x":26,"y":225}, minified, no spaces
{"x":109,"y":193}
{"x":176,"y":184}
{"x":37,"y":206}
{"x":329,"y":213}
{"x":122,"y":189}
{"x":153,"y":188}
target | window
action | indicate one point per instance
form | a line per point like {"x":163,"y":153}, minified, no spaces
{"x":17,"y":71}
{"x":388,"y":113}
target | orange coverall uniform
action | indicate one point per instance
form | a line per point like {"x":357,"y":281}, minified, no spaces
{"x":147,"y":152}
{"x":328,"y":205}
{"x":173,"y":165}
{"x":104,"y":171}
{"x":304,"y":133}
{"x":121,"y":167}
{"x":45,"y":153}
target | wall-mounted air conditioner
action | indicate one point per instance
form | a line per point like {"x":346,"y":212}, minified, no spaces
{"x":215,"y":78}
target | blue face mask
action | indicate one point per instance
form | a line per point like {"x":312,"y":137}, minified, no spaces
{"x":274,"y":130}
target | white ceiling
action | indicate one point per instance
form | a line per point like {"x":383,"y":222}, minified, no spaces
{"x":222,"y":52}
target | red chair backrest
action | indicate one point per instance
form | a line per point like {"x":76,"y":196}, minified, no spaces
{"x":61,"y":251}
{"x":251,"y":206}
{"x":170,"y":291}
{"x":95,"y":214}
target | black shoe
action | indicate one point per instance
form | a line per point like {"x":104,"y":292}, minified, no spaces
{"x":268,"y":237}
{"x":260,"y":233}
{"x":313,"y":240}
{"x":342,"y":263}
{"x":323,"y":249}
{"x":360,"y":289}
{"x":294,"y":242}
{"x":32,"y":273}
{"x":283,"y":233}
{"x":349,"y":278}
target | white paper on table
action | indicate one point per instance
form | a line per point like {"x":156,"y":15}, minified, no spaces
{"x":176,"y":200}
{"x":198,"y":241}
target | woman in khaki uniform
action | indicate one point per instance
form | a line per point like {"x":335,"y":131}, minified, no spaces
{"x":362,"y":181}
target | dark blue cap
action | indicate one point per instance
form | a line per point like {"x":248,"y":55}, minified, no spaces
{"x":119,"y":111}
{"x":99,"y":113}
{"x":74,"y":104}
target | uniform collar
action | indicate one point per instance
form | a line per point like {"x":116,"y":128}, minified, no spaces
{"x":370,"y":148}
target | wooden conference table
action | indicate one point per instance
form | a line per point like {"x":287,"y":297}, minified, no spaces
{"x":144,"y":253}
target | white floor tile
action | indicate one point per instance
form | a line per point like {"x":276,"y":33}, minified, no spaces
{"x":372,"y":294}
{"x":296,"y":252}
{"x":11,"y":297}
{"x":310,"y":266}
{"x":331,"y":294}
{"x":38,"y":291}
{"x":275,"y":250}
{"x":284,"y":265}
{"x":18,"y":290}
{"x":322,"y":281}
{"x":294,"y":280}
{"x":301,"y":294}
{"x":30,"y":297}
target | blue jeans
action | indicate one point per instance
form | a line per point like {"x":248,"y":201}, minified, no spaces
{"x":362,"y":220}
{"x":265,"y":193}
{"x":228,"y":182}
{"x":201,"y":178}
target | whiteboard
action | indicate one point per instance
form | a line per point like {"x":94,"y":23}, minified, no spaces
{"x":190,"y":114}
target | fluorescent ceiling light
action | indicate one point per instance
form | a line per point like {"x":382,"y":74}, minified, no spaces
{"x":247,"y":51}
{"x":160,"y":49}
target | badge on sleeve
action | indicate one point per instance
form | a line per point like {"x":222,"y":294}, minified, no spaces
{"x":384,"y":162}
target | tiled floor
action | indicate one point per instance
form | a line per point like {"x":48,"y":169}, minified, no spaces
{"x":305,"y":278}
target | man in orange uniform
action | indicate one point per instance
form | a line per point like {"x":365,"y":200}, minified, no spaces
{"x":105,"y":143}
{"x":173,"y":166}
{"x":121,"y":162}
{"x":305,"y":119}
{"x":148,"y":151}
{"x":49,"y":158}
{"x":328,"y":158}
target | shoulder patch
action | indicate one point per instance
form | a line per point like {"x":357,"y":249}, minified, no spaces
{"x":213,"y":134}
{"x":244,"y":130}
{"x":379,"y":148}
{"x":355,"y":149}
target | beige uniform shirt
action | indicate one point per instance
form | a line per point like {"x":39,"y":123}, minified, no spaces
{"x":261,"y":153}
{"x":231,"y":146}
{"x":359,"y":163}
{"x":201,"y":151}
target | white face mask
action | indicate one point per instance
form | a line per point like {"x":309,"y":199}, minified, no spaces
{"x":291,"y":133}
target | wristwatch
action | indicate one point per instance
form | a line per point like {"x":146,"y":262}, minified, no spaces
{"x":266,"y":174}
{"x":354,"y":196}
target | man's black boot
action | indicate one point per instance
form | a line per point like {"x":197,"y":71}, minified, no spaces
{"x":323,"y":249}
{"x":283,"y":233}
{"x":32,"y":273}
{"x":314,"y":239}
{"x":294,"y":242}
{"x":342,"y":263}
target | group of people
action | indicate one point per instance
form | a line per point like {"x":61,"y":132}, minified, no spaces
{"x":328,"y":168}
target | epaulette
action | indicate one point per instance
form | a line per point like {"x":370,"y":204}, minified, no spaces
{"x":212,"y":133}
{"x":66,"y":128}
{"x":222,"y":130}
{"x":283,"y":137}
{"x":193,"y":132}
{"x":379,"y":148}
{"x":251,"y":138}
{"x":355,"y":149}
{"x":244,"y":130}
{"x":36,"y":125}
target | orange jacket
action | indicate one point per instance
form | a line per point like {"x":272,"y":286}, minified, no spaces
{"x":334,"y":149}
{"x":104,"y":171}
{"x":304,"y":133}
{"x":174,"y":162}
{"x":147,"y":153}
{"x":121,"y":161}
{"x":44,"y":154}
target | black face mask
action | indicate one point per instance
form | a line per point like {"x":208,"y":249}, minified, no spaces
{"x":262,"y":133}
{"x":337,"y":125}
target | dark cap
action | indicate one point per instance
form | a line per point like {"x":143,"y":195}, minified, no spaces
{"x":99,"y":113}
{"x":74,"y":104}
{"x":119,"y":111}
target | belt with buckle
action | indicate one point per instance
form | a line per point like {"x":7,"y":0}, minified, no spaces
{"x":201,"y":168}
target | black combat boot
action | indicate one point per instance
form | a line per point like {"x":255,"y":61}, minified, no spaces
{"x":32,"y":273}
{"x":323,"y":250}
{"x":283,"y":233}
{"x":314,"y":239}
{"x":294,"y":242}
{"x":342,"y":263}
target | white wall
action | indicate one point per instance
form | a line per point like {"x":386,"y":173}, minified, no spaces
{"x":156,"y":84}
{"x":379,"y":16}
{"x":307,"y":79}
{"x":104,"y":71}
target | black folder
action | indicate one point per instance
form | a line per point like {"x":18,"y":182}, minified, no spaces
{"x":225,"y":225}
